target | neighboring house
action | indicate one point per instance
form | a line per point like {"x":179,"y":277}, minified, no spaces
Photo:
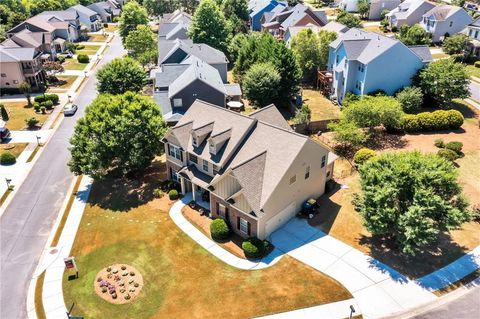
{"x":362,"y":62}
{"x":177,"y":86}
{"x":409,"y":12}
{"x":348,"y":5}
{"x":87,"y":17}
{"x":473,"y":32}
{"x":257,"y":8}
{"x":445,"y":20}
{"x":178,"y":50}
{"x":300,"y":15}
{"x":107,"y":10}
{"x":44,"y":42}
{"x":173,"y":30}
{"x":18,"y":65}
{"x":332,"y":26}
{"x":176,"y":17}
{"x":254,"y":171}
{"x":378,"y":6}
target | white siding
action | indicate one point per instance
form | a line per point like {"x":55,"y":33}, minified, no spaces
{"x":242,"y":204}
{"x":226,"y":187}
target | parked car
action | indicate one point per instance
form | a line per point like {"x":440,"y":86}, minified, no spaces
{"x":4,"y":133}
{"x":70,"y":109}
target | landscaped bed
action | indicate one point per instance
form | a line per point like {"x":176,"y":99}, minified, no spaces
{"x":64,"y":83}
{"x":16,"y":148}
{"x":123,"y":223}
{"x":338,"y":217}
{"x":19,"y":112}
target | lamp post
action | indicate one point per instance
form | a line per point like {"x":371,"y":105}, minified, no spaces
{"x":69,"y":98}
{"x":8,"y":181}
{"x":38,"y":140}
{"x":85,"y":73}
{"x":352,"y":311}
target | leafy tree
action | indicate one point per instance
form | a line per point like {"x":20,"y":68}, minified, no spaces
{"x":26,"y":89}
{"x":158,"y":8}
{"x":119,"y":134}
{"x":133,"y":15}
{"x":189,"y":5}
{"x":410,"y":98}
{"x":413,"y":35}
{"x":325,"y":38}
{"x":235,"y":7}
{"x":237,"y":42}
{"x":410,"y":198}
{"x":16,"y":18}
{"x":290,"y":72}
{"x":4,"y":113}
{"x":372,"y":111}
{"x":89,"y":2}
{"x":444,"y":80}
{"x":458,"y":3}
{"x":306,"y":47}
{"x":455,"y":44}
{"x":38,"y":6}
{"x":303,"y":115}
{"x":3,"y":33}
{"x":121,"y":75}
{"x":53,"y":67}
{"x":347,"y":133}
{"x":235,"y":25}
{"x":261,"y":84}
{"x":142,"y":45}
{"x":348,"y":19}
{"x":363,"y":7}
{"x":209,"y":26}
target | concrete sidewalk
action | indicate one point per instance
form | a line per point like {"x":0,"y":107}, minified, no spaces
{"x":213,"y":247}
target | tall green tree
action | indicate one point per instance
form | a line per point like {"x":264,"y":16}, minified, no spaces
{"x":209,"y":26}
{"x":325,"y":38}
{"x":306,"y":47}
{"x":38,"y":6}
{"x":158,"y":8}
{"x":413,"y":35}
{"x":236,"y":43}
{"x":363,"y":7}
{"x":235,"y":7}
{"x":121,"y":75}
{"x":455,"y":44}
{"x":133,"y":15}
{"x":142,"y":45}
{"x":348,"y":19}
{"x":444,"y":80}
{"x":119,"y":134}
{"x":410,"y":198}
{"x":189,"y":5}
{"x":261,"y":83}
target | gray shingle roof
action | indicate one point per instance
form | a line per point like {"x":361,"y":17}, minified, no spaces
{"x":16,"y":54}
{"x":422,"y":51}
{"x":270,"y":114}
{"x":442,"y":12}
{"x":168,"y":74}
{"x":84,"y":10}
{"x":233,"y":89}
{"x":202,"y":51}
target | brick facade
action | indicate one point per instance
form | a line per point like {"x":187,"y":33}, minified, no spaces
{"x":233,"y":216}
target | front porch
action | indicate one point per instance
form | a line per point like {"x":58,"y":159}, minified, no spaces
{"x":197,"y":183}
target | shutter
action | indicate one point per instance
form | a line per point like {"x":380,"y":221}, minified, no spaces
{"x":181,"y":156}
{"x":238,"y":223}
{"x":226,"y":214}
{"x":218,"y":209}
{"x":248,"y":228}
{"x":168,"y":149}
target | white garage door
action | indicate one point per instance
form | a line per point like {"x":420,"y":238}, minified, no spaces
{"x":281,"y":218}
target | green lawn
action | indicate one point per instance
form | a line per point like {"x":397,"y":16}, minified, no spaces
{"x":124,"y":224}
{"x":473,"y":71}
{"x":65,"y":82}
{"x":111,"y":28}
{"x":19,"y":112}
{"x":97,"y":38}
{"x":321,"y":107}
{"x":89,"y":49}
{"x":73,"y":64}
{"x":440,"y":55}
{"x":16,"y":150}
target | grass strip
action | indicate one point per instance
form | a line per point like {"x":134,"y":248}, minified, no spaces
{"x":5,"y":195}
{"x":39,"y":310}
{"x":32,"y":156}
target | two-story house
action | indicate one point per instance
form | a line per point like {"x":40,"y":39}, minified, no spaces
{"x":473,"y":32}
{"x":375,"y":10}
{"x":87,"y":17}
{"x":254,"y":171}
{"x":257,"y":8}
{"x":409,"y":12}
{"x":362,"y":62}
{"x":44,"y":42}
{"x":177,"y":86}
{"x":18,"y":65}
{"x":331,"y":26}
{"x":107,"y":10}
{"x":445,"y":20}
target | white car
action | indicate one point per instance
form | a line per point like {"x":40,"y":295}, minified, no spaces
{"x":70,"y":109}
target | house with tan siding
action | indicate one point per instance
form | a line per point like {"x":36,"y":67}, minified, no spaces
{"x":254,"y":171}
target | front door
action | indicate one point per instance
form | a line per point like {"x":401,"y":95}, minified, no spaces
{"x":223,"y":212}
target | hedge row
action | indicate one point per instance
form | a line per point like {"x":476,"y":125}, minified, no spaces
{"x":432,"y":121}
{"x":47,"y":97}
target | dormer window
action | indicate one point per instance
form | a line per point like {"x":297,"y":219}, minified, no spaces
{"x":213,"y":149}
{"x":194,"y":141}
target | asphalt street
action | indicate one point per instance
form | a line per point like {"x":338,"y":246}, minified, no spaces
{"x":475,"y":90}
{"x":28,"y":220}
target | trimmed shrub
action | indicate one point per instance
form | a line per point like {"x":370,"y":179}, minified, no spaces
{"x":158,"y":193}
{"x":83,"y":58}
{"x":31,"y":122}
{"x":254,"y":247}
{"x":173,"y":194}
{"x":363,"y":155}
{"x":40,"y":99}
{"x":477,"y":64}
{"x":410,"y":98}
{"x":455,"y":119}
{"x":410,"y":123}
{"x":61,"y":59}
{"x":447,"y":154}
{"x":36,"y":106}
{"x":219,"y":229}
{"x":43,"y":109}
{"x":7,"y":158}
{"x":439,"y":143}
{"x":52,"y":97}
{"x":48,"y":105}
{"x":80,"y":47}
{"x":454,"y":146}
{"x":432,"y":121}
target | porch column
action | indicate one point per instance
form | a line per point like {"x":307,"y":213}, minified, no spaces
{"x":193,"y":192}
{"x":182,"y":184}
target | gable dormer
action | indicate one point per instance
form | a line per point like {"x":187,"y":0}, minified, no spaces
{"x":215,"y":142}
{"x":200,"y":133}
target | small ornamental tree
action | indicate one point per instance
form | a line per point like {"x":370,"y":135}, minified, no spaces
{"x":306,"y":47}
{"x":26,"y":89}
{"x":121,"y":75}
{"x":410,"y":198}
{"x":455,"y":44}
{"x":348,"y":19}
{"x":53,"y":67}
{"x":363,"y":7}
{"x":261,"y":84}
{"x":4,"y":113}
{"x":413,"y":35}
{"x":133,"y":15}
{"x":347,"y":134}
{"x":119,"y":134}
{"x":444,"y":80}
{"x":411,"y":99}
{"x":303,"y":115}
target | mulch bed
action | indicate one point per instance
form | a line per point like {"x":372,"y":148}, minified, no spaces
{"x":118,"y":283}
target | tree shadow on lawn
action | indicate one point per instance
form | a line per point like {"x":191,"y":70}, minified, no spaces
{"x":326,"y":221}
{"x":126,"y":193}
{"x":426,"y":261}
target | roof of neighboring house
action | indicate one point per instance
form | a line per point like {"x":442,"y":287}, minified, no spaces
{"x":102,"y":7}
{"x":82,"y":9}
{"x":270,"y":114}
{"x":177,"y":16}
{"x":298,"y":12}
{"x":170,"y":30}
{"x":201,"y":51}
{"x":16,"y":54}
{"x":27,"y":38}
{"x":335,"y":27}
{"x":476,"y":23}
{"x":422,"y":51}
{"x":404,"y":9}
{"x":64,"y":15}
{"x":442,"y":12}
{"x":257,"y":6}
{"x":233,"y":89}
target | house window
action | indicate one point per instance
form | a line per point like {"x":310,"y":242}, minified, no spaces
{"x":470,"y":32}
{"x":293,"y":179}
{"x":324,"y":160}
{"x":194,"y":141}
{"x":176,"y":152}
{"x":307,"y":172}
{"x":338,"y":58}
{"x":346,"y":62}
{"x":174,"y":175}
{"x":4,"y":75}
{"x":205,"y":165}
{"x":361,"y":68}
{"x":243,"y":226}
{"x":177,"y":102}
{"x":476,"y":34}
{"x":221,"y":210}
{"x":193,"y":158}
{"x":451,"y":23}
{"x":215,"y":169}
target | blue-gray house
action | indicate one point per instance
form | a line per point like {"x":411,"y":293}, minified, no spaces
{"x":257,"y":8}
{"x":363,"y":62}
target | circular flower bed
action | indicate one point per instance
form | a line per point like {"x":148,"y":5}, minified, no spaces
{"x":118,"y":283}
